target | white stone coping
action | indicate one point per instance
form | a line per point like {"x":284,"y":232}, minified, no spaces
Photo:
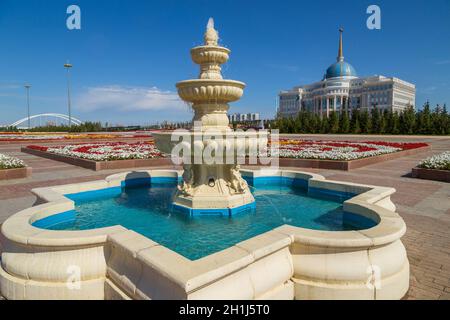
{"x":191,"y":275}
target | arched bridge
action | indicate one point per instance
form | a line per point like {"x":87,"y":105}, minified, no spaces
{"x":38,"y":118}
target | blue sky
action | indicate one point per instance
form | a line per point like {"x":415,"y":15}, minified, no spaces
{"x":129,"y":54}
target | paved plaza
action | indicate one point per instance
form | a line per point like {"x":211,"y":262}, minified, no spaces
{"x":424,"y":205}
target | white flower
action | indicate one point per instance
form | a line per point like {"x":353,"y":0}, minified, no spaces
{"x":334,"y":150}
{"x":30,"y":137}
{"x":108,"y":151}
{"x":8,"y":162}
{"x":437,"y":162}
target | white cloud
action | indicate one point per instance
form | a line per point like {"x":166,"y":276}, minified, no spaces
{"x":442,"y":62}
{"x":428,"y":90}
{"x":11,"y":85}
{"x":127,"y":98}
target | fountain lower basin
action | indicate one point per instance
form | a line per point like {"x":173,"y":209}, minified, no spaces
{"x":286,"y":262}
{"x":145,"y":206}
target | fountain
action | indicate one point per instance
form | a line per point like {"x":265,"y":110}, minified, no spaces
{"x":117,"y":238}
{"x":214,"y":188}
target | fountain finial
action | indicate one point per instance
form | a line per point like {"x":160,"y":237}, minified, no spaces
{"x":211,"y":35}
{"x":210,"y":24}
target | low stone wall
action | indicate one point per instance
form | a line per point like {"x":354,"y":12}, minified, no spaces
{"x":285,"y":263}
{"x":431,"y":174}
{"x":143,"y":269}
{"x":101,"y":165}
{"x":43,"y":264}
{"x":17,"y":173}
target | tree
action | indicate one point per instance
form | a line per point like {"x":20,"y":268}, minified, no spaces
{"x":354,"y":122}
{"x":375,"y":120}
{"x":365,"y":122}
{"x":384,"y":121}
{"x":298,"y":123}
{"x":318,"y":123}
{"x":324,"y":127}
{"x":445,"y":121}
{"x":344,"y":123}
{"x":309,"y":122}
{"x":424,"y":124}
{"x":408,"y":121}
{"x":333,"y":123}
{"x":395,"y":123}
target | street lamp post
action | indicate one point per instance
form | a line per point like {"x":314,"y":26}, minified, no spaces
{"x":68,"y":66}
{"x":27,"y":87}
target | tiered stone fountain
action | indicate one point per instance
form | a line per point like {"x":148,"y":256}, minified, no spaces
{"x":287,"y":262}
{"x":216,"y":188}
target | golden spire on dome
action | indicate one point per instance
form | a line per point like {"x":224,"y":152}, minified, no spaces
{"x":340,"y":51}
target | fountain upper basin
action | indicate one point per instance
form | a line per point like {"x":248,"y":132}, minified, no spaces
{"x":203,"y":91}
{"x":206,"y":54}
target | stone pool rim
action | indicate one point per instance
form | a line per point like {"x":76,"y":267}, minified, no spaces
{"x":187,"y":277}
{"x":56,"y":202}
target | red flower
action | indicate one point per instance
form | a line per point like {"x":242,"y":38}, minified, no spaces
{"x":40,"y":148}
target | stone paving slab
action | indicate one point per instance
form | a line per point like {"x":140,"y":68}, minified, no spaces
{"x":12,"y":205}
{"x":424,"y":205}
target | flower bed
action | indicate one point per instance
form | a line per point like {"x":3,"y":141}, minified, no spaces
{"x":105,"y":151}
{"x":30,"y":137}
{"x":342,"y":155}
{"x":102,"y":156}
{"x":435,"y":168}
{"x":12,"y":168}
{"x":338,"y":155}
{"x":7,"y":162}
{"x":437,"y":162}
{"x":340,"y":150}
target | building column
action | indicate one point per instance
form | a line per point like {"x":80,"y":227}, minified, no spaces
{"x":346,"y":105}
{"x":334,"y":103}
{"x":328,"y":106}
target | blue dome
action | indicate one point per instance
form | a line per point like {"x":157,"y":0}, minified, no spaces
{"x":340,"y":69}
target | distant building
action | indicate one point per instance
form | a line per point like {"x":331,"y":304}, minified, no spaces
{"x":241,"y":117}
{"x":342,"y":90}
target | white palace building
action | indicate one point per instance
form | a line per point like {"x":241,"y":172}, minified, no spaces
{"x":342,"y":90}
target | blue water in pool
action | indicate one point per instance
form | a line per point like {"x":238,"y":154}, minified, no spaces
{"x":148,"y":211}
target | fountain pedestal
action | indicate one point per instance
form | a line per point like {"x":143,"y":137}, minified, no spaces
{"x":211,"y":188}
